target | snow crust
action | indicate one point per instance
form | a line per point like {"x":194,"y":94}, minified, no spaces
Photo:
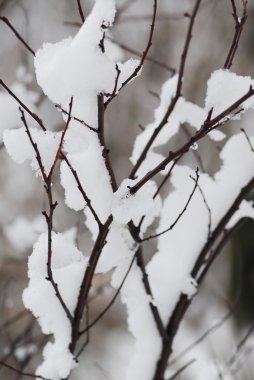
{"x":68,"y":265}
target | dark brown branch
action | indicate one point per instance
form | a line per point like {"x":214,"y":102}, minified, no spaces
{"x":87,"y":281}
{"x":104,"y":311}
{"x":148,"y":46}
{"x":105,"y":151}
{"x":180,"y":370}
{"x":240,"y":345}
{"x":48,"y":217}
{"x":76,"y":118}
{"x":239,"y":24}
{"x":138,"y":54}
{"x":248,"y":139}
{"x":208,"y":210}
{"x":207,"y":127}
{"x":114,"y":92}
{"x":7,"y":22}
{"x":180,"y":215}
{"x":177,"y":95}
{"x":22,"y":373}
{"x":81,"y":11}
{"x":201,"y":266}
{"x":62,"y":139}
{"x":33,"y":115}
{"x":82,"y":191}
{"x":155,"y":312}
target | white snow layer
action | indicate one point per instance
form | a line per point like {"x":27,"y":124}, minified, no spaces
{"x":20,"y":148}
{"x":224,"y":88}
{"x":22,"y":233}
{"x":68,"y":265}
{"x":127,"y":206}
{"x":179,"y":248}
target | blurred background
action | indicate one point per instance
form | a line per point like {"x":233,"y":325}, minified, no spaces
{"x":224,"y":309}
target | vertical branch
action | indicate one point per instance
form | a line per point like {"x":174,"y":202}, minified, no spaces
{"x":14,"y":30}
{"x":81,"y":11}
{"x":105,"y":151}
{"x":145,"y":52}
{"x":48,"y":216}
{"x":239,"y":24}
{"x":177,"y":95}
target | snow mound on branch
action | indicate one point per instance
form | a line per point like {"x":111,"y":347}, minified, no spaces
{"x":127,"y":206}
{"x":81,"y":66}
{"x":20,"y":148}
{"x":68,"y":265}
{"x":177,"y":251}
{"x":224,"y":88}
{"x":183,"y":112}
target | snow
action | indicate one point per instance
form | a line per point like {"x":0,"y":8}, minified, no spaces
{"x":127,"y":206}
{"x":224,"y":88}
{"x":22,"y":233}
{"x":68,"y":264}
{"x":184,"y":112}
{"x":178,"y":250}
{"x":245,"y":210}
{"x":20,"y":149}
{"x":189,"y":287}
{"x":63,"y":71}
{"x":9,"y":108}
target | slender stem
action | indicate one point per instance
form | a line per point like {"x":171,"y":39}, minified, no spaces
{"x":14,"y":30}
{"x":177,"y":95}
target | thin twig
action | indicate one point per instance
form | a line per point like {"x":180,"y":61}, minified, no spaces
{"x":14,"y":30}
{"x":239,"y":24}
{"x":148,"y":46}
{"x":113,"y":94}
{"x":138,"y":54}
{"x":248,"y":139}
{"x":62,"y":139}
{"x":208,"y":209}
{"x":76,"y":118}
{"x":180,"y":370}
{"x":207,"y":127}
{"x":178,"y":93}
{"x":179,"y":216}
{"x":104,"y":311}
{"x":48,"y":217}
{"x":154,"y":310}
{"x":33,"y":115}
{"x":22,"y":373}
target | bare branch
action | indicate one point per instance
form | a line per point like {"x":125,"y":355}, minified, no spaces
{"x":62,"y":139}
{"x":138,"y":54}
{"x":239,"y":24}
{"x":33,"y":115}
{"x":148,"y":46}
{"x":177,"y":95}
{"x":48,"y":217}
